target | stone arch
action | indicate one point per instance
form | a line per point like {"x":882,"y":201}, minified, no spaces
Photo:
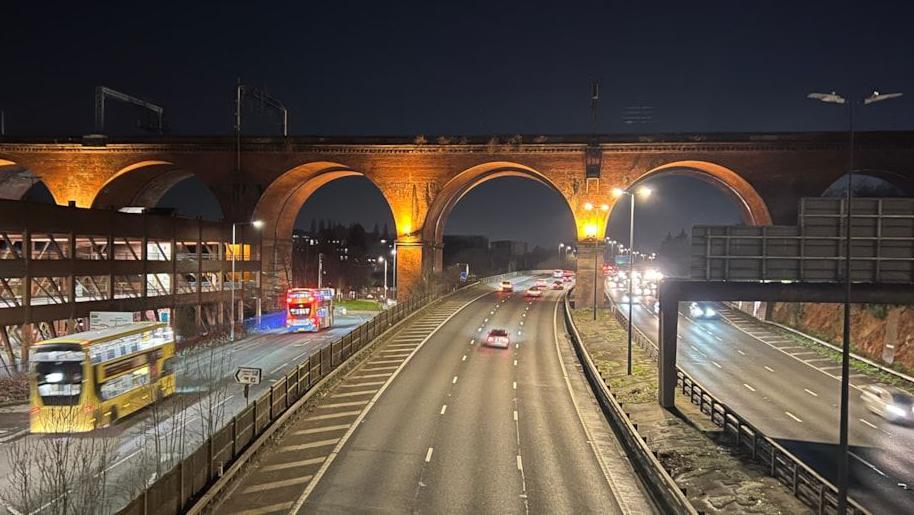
{"x":280,"y":203}
{"x":140,"y":184}
{"x":752,"y":205}
{"x":461,"y":184}
{"x":16,"y":180}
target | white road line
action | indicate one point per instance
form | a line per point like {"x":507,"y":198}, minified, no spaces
{"x":514,"y":385}
{"x":293,"y":464}
{"x":343,"y":404}
{"x":334,"y":415}
{"x":276,"y":484}
{"x":454,"y":381}
{"x":769,"y":368}
{"x":309,"y":445}
{"x":791,"y":415}
{"x":520,"y":464}
{"x":515,"y":415}
{"x":272,"y":508}
{"x":428,"y":455}
{"x":751,"y":389}
{"x":810,"y":392}
{"x":741,"y":352}
{"x":122,"y":460}
{"x":868,"y":464}
{"x":515,"y":362}
{"x":464,"y":358}
{"x":324,"y":429}
{"x":356,"y":385}
{"x":716,"y":364}
{"x":277,"y":369}
{"x":868,"y":423}
{"x":443,"y":409}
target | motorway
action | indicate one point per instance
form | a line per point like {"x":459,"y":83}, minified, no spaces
{"x":274,"y":352}
{"x":792,"y":395}
{"x":463,"y":428}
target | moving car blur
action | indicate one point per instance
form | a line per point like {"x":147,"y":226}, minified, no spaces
{"x":498,"y":338}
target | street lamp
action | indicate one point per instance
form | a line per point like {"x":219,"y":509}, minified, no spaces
{"x":257,"y":224}
{"x":393,"y":253}
{"x":561,"y":261}
{"x":618,"y":192}
{"x":382,"y":260}
{"x":834,"y":98}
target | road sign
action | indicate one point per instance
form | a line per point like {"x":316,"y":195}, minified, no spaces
{"x":108,"y":319}
{"x":463,"y":277}
{"x":248,"y":375}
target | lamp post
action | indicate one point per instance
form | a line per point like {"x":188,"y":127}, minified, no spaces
{"x":393,"y":253}
{"x":257,"y":224}
{"x":382,"y":260}
{"x":320,"y":268}
{"x":834,"y":98}
{"x":561,"y":255}
{"x":645,"y":192}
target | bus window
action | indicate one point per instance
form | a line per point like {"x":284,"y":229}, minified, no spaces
{"x":59,"y":374}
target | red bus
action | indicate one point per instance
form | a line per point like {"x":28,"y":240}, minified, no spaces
{"x":309,"y":309}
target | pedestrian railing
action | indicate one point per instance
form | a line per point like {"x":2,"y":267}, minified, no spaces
{"x":807,"y":485}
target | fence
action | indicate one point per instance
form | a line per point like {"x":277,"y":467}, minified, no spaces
{"x":170,"y":493}
{"x":807,"y":485}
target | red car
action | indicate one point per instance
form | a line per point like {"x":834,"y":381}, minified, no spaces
{"x":557,"y":285}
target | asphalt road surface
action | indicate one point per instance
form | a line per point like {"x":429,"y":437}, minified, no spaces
{"x":435,"y":422}
{"x":792,"y":395}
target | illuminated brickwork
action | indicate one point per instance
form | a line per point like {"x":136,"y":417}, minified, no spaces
{"x":421,"y":183}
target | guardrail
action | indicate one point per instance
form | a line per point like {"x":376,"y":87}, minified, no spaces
{"x":193,"y":475}
{"x":807,"y":485}
{"x":662,"y":487}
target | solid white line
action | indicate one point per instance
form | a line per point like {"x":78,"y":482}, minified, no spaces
{"x":428,"y":455}
{"x":810,"y":392}
{"x":443,"y":409}
{"x":769,"y":368}
{"x":515,"y":415}
{"x":122,"y":460}
{"x":520,"y":464}
{"x":293,"y":464}
{"x":343,"y":404}
{"x":868,"y":423}
{"x":276,"y":484}
{"x":277,"y":369}
{"x":320,"y":429}
{"x":334,"y":415}
{"x":791,"y":415}
{"x":310,"y":445}
{"x":339,"y":446}
{"x":868,"y":464}
{"x":751,"y":389}
{"x":741,"y":352}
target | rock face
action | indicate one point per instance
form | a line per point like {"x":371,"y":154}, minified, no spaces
{"x":882,"y":333}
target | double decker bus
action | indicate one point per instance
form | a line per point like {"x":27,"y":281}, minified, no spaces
{"x":309,"y":309}
{"x":87,"y":380}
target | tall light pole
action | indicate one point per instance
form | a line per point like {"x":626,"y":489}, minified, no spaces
{"x":645,"y":192}
{"x":561,"y":255}
{"x":382,"y":260}
{"x":257,"y":225}
{"x":320,"y":268}
{"x":393,"y":254}
{"x":834,"y":98}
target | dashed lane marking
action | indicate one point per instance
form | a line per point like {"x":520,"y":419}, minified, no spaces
{"x":428,"y":455}
{"x":443,"y":409}
{"x":751,"y":389}
{"x":769,"y":368}
{"x":867,"y":422}
{"x":810,"y":392}
{"x":791,"y":415}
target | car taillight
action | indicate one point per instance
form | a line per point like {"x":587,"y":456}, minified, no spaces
{"x":490,"y":339}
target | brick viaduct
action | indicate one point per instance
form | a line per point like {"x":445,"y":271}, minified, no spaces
{"x":271,"y":178}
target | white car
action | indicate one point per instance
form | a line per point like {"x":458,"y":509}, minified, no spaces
{"x":889,"y":402}
{"x":541,"y":283}
{"x":506,"y":286}
{"x":558,"y":273}
{"x":498,"y":338}
{"x":701,"y":310}
{"x":533,"y":292}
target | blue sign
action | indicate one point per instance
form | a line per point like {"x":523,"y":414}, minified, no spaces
{"x":463,"y":277}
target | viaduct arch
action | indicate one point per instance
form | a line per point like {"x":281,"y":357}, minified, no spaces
{"x":421,"y":182}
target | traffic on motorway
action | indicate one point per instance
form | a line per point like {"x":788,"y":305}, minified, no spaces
{"x":788,"y":391}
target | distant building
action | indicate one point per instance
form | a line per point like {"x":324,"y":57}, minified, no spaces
{"x":468,"y":249}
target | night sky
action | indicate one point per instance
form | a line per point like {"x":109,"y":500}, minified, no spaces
{"x":478,"y":68}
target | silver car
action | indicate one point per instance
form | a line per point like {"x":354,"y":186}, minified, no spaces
{"x":889,"y":402}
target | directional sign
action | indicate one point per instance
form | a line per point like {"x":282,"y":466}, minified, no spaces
{"x":248,"y":375}
{"x":463,"y":277}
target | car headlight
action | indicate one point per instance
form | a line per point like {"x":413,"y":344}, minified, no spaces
{"x":709,"y":312}
{"x":895,"y":410}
